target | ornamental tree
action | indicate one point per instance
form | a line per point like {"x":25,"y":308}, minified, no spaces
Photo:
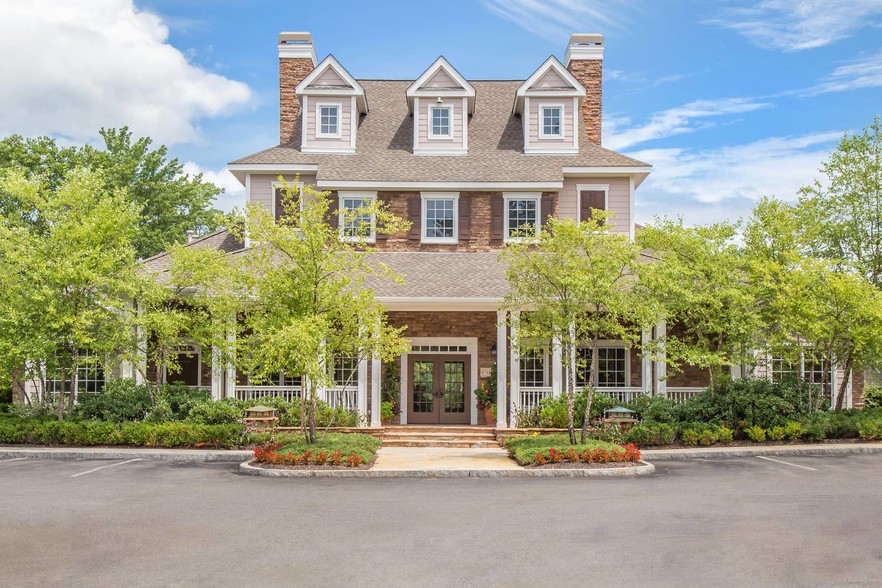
{"x":308,"y":298}
{"x":578,"y":281}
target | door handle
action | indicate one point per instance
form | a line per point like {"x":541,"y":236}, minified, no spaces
{"x":439,"y":392}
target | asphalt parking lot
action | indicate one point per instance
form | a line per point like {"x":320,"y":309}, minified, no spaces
{"x":789,"y":521}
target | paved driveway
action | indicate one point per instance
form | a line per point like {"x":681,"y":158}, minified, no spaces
{"x":800,"y":521}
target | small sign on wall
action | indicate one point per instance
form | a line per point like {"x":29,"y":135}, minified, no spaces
{"x":485,"y":372}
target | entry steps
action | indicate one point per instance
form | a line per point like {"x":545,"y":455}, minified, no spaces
{"x":439,"y":436}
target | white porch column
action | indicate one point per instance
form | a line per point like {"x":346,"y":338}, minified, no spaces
{"x":230,"y":383}
{"x":376,"y":395}
{"x":556,"y":369}
{"x":515,"y":357}
{"x":501,"y":347}
{"x":217,"y":373}
{"x":661,"y":368}
{"x":361,"y":394}
{"x":645,"y":363}
{"x":140,"y":367}
{"x":402,"y":399}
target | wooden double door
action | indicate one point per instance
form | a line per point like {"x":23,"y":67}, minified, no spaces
{"x":438,"y":389}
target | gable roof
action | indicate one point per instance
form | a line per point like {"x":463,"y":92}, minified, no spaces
{"x":385,"y":141}
{"x":538,"y":84}
{"x":220,"y":240}
{"x":459,"y":87}
{"x":317,"y":83}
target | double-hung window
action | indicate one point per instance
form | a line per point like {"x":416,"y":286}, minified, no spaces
{"x":90,"y":376}
{"x":532,"y":368}
{"x":521,"y":217}
{"x":344,"y":371}
{"x":356,"y":224}
{"x":439,"y":218}
{"x":328,"y":120}
{"x":551,"y":123}
{"x":439,"y":122}
{"x":612,"y":367}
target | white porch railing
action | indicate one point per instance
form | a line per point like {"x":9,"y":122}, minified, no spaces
{"x":621,"y":394}
{"x":529,"y":397}
{"x":289,"y":393}
{"x":347,"y":397}
{"x":682,"y":394}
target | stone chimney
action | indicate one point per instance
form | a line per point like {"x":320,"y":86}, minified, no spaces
{"x":584,"y":59}
{"x":296,"y":61}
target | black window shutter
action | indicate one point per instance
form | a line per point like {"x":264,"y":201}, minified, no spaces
{"x":547,"y":208}
{"x":413,"y":215}
{"x":333,"y":212}
{"x":497,"y":217}
{"x":383,"y":201}
{"x":465,"y":217}
{"x":588,"y":200}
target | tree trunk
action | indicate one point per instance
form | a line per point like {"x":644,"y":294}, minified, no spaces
{"x":74,"y":380}
{"x":312,"y":410}
{"x":305,"y":386}
{"x":571,"y":383}
{"x":60,"y":409}
{"x":592,"y":383}
{"x":843,"y":387}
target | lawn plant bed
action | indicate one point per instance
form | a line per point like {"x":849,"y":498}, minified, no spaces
{"x":332,"y":451}
{"x":541,"y":450}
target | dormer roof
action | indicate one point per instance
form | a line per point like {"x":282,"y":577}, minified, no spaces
{"x":551,"y":80}
{"x":441,"y":80}
{"x":329,"y":78}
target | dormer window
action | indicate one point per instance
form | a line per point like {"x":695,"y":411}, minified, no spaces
{"x":440,"y":117}
{"x":328,"y":116}
{"x":551,"y":122}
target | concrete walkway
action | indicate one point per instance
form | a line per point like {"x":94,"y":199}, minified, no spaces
{"x":443,"y":458}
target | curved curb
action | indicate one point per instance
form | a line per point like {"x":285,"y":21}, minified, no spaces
{"x":668,"y":454}
{"x":640,"y":470}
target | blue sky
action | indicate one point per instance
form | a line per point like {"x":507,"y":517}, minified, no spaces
{"x":727,"y":100}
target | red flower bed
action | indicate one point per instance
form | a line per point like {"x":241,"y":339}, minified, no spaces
{"x":270,"y":454}
{"x":623,"y":454}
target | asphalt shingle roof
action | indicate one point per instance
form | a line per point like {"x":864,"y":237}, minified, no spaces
{"x":385,"y":141}
{"x":220,"y":240}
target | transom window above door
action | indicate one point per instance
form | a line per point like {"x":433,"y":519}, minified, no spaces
{"x":355,"y":223}
{"x":439,"y":121}
{"x":521,"y":217}
{"x":328,"y":120}
{"x":440,"y":218}
{"x":551,"y":122}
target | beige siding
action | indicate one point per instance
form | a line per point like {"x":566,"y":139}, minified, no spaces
{"x":533,"y":123}
{"x":262,"y":187}
{"x":345,"y":105}
{"x":456,"y":140}
{"x":550,"y":79}
{"x":329,"y":78}
{"x":618,"y":200}
{"x":441,"y":80}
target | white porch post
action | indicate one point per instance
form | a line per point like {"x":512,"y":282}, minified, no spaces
{"x":402,"y":399}
{"x":141,"y":353}
{"x":217,"y":373}
{"x":376,"y":366}
{"x":645,"y":363}
{"x":661,"y":368}
{"x":361,"y":395}
{"x":230,"y":383}
{"x":501,"y":347}
{"x":515,"y":356}
{"x":556,"y":368}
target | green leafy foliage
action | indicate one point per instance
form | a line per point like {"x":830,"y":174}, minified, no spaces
{"x":364,"y":446}
{"x":523,"y":449}
{"x":121,"y":400}
{"x":651,"y":433}
{"x":873,"y":397}
{"x":755,"y":433}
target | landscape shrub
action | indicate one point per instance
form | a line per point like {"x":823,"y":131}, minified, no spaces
{"x":524,"y":449}
{"x":873,"y":397}
{"x":748,"y":402}
{"x":121,"y":400}
{"x":214,"y":413}
{"x":651,"y":433}
{"x":725,"y":435}
{"x":870,"y":429}
{"x":775,"y":433}
{"x":5,"y":396}
{"x":329,"y":449}
{"x":689,"y":436}
{"x":181,"y":399}
{"x":654,"y":409}
{"x":755,"y":433}
{"x":551,"y":413}
{"x":793,"y":430}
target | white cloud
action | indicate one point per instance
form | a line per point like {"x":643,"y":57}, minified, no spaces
{"x":862,"y":73}
{"x":234,"y":192}
{"x":620,"y":134}
{"x":723,"y":183}
{"x":795,"y":25}
{"x":558,"y":19}
{"x":69,"y":68}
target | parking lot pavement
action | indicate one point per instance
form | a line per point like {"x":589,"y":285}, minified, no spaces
{"x":786,"y":521}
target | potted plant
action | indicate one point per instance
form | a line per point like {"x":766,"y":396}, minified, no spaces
{"x":484,"y":398}
{"x":388,"y":409}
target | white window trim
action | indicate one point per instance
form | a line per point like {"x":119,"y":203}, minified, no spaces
{"x":430,"y":134}
{"x":318,"y":120}
{"x":541,"y":122}
{"x":372,"y":238}
{"x":193,"y":349}
{"x":591,"y":188}
{"x":425,"y":197}
{"x":615,"y":344}
{"x":509,"y":196}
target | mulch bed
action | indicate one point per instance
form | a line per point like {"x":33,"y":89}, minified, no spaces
{"x":279,"y":466}
{"x":568,"y":465}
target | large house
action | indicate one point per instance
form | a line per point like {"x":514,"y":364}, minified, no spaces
{"x":468,"y":163}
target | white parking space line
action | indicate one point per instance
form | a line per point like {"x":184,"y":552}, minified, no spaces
{"x":796,"y":465}
{"x":13,"y":459}
{"x":107,"y":466}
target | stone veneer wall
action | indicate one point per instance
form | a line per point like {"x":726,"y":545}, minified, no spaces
{"x":291,"y":73}
{"x":590,"y":73}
